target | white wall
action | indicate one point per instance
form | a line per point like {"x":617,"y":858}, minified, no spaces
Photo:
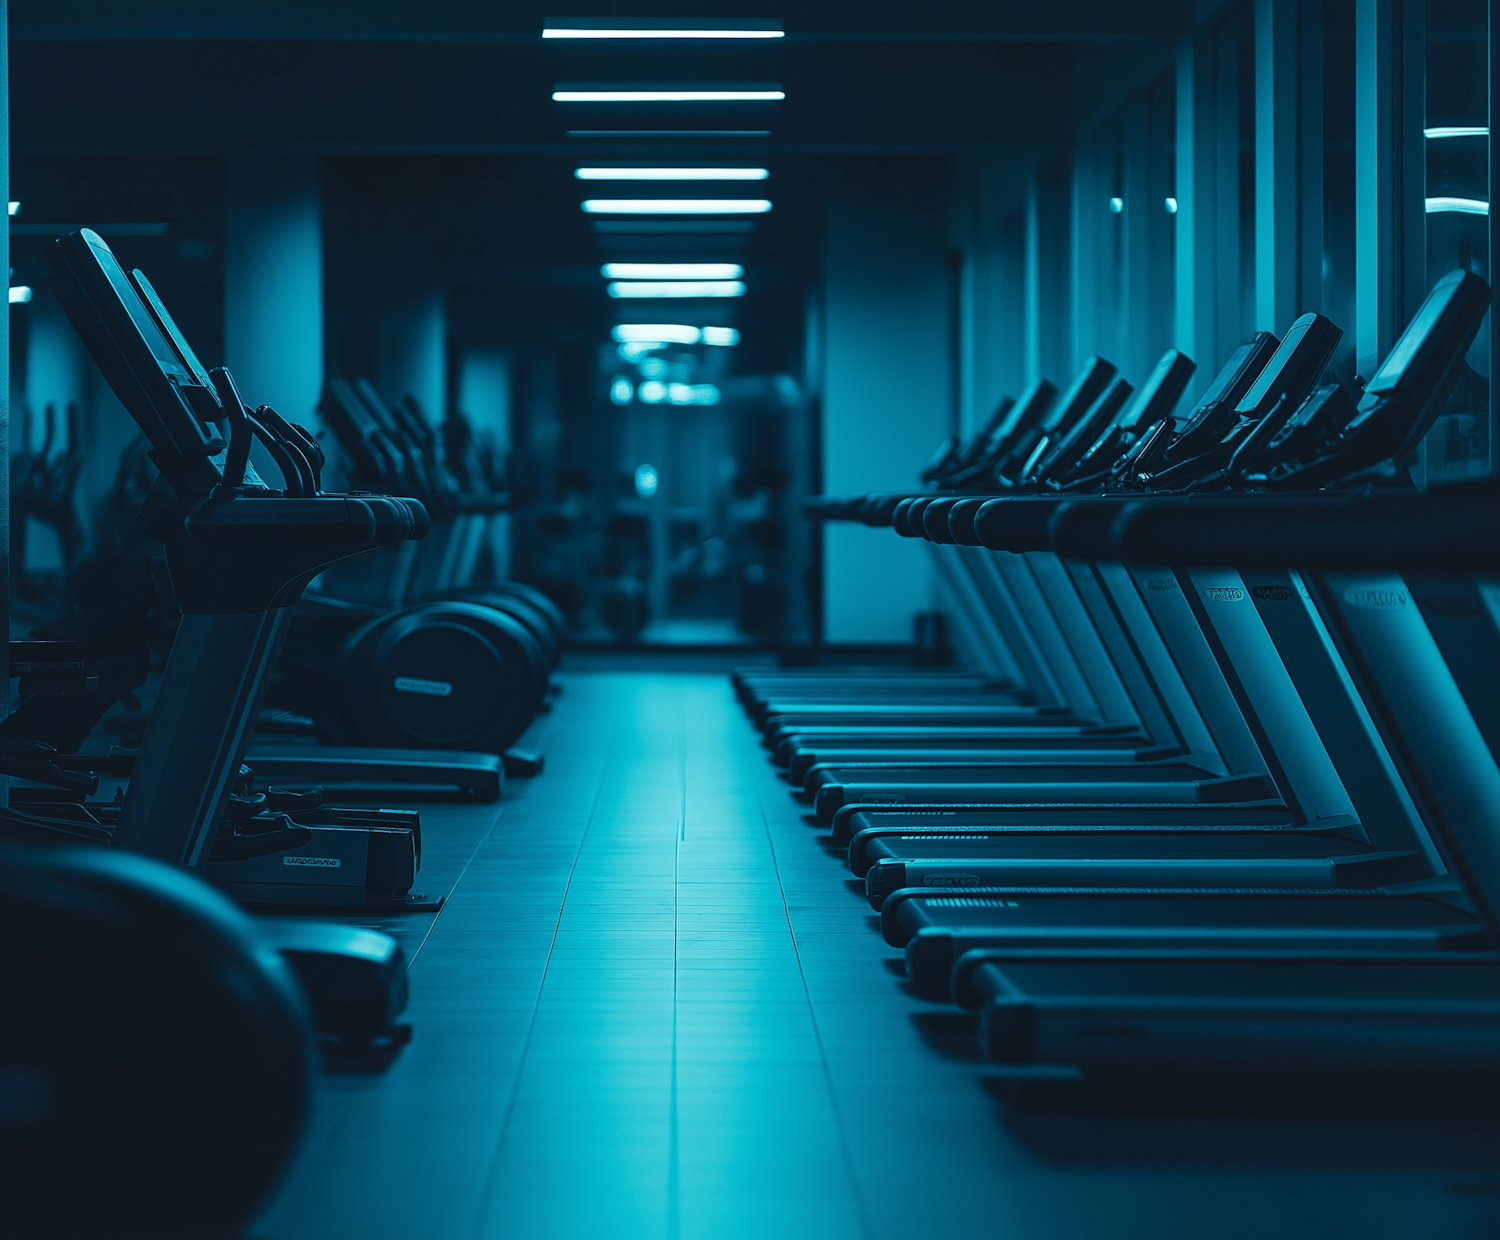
{"x":887,"y":402}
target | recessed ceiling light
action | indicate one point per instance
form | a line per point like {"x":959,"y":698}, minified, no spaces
{"x":665,"y":333}
{"x":668,"y":92}
{"x":671,"y":174}
{"x":661,"y":28}
{"x":672,"y":271}
{"x":677,"y":288}
{"x":669,"y":133}
{"x":676,"y":206}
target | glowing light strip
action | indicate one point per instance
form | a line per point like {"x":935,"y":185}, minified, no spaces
{"x":665,"y":96}
{"x":677,"y":288}
{"x":19,"y":293}
{"x":1457,"y":131}
{"x":671,"y":174}
{"x":605,"y":32}
{"x":1464,"y":206}
{"x":676,"y":206}
{"x":671,"y":271}
{"x":667,"y":333}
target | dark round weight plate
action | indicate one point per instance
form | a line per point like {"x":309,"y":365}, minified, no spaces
{"x":154,"y":1054}
{"x":443,"y":675}
{"x":528,"y":604}
{"x":441,"y":682}
{"x":537,"y":624}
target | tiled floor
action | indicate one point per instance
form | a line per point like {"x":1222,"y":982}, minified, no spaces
{"x":653,"y":1007}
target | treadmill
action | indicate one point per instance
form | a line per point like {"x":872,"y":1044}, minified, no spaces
{"x":239,"y":555}
{"x":1268,"y":681}
{"x":1302,"y":1005}
{"x":1367,"y":921}
{"x":1283,"y":384}
{"x":935,"y":930}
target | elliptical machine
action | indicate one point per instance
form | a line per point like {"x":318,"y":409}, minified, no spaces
{"x":138,"y":998}
{"x":402,"y":652}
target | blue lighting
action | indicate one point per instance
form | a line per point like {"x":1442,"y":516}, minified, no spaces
{"x":676,"y":206}
{"x":1171,"y":206}
{"x":661,"y":28}
{"x":636,"y":350}
{"x":671,"y":174}
{"x":1464,"y":206}
{"x":19,"y":293}
{"x":646,"y":481}
{"x":1117,"y":205}
{"x":692,"y":394}
{"x":677,"y":288}
{"x":688,"y":95}
{"x":661,"y":333}
{"x":652,"y":392}
{"x":620,"y":390}
{"x":672,"y":271}
{"x":721,"y":336}
{"x":14,"y":207}
{"x":1457,"y":131}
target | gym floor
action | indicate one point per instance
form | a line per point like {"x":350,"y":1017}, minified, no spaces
{"x":654,"y":1005}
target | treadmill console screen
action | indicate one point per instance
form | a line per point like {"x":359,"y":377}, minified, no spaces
{"x":1424,"y":330}
{"x":1277,"y":366}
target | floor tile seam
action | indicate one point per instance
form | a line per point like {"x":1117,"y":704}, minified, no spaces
{"x":452,"y":891}
{"x":846,"y":1152}
{"x":493,"y":1169}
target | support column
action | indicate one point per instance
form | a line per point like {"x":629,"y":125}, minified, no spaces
{"x":1135,"y":360}
{"x":484,"y":400}
{"x":412,"y":355}
{"x":1196,"y":184}
{"x":885,"y":394}
{"x":1277,"y":257}
{"x":273,"y":281}
{"x":1229,"y":273}
{"x":5,"y":366}
{"x":1088,"y":193}
{"x":1310,"y":157}
{"x":1389,"y":211}
{"x":1494,"y":197}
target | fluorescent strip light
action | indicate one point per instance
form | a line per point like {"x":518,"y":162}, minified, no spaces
{"x":665,"y":333}
{"x":14,"y":207}
{"x":1457,"y":131}
{"x":677,"y":288}
{"x":676,"y":206}
{"x":19,"y":293}
{"x":721,"y":336}
{"x":1464,"y":206}
{"x":671,"y":174}
{"x":671,"y":271}
{"x":669,"y":133}
{"x":661,"y":28}
{"x":562,"y":33}
{"x":666,"y":96}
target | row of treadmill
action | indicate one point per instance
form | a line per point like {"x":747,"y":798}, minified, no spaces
{"x":159,"y":1041}
{"x":1215,"y":791}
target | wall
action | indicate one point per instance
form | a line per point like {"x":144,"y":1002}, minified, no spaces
{"x":888,"y":391}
